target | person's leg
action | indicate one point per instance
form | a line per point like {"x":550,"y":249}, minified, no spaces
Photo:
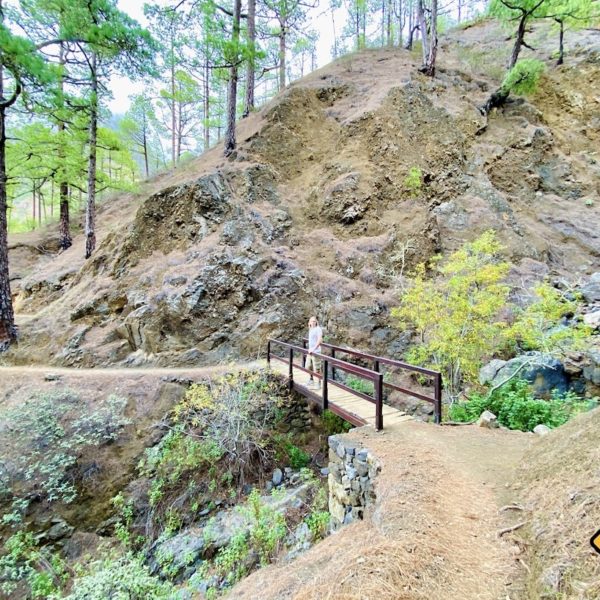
{"x":310,"y":365}
{"x":317,"y":369}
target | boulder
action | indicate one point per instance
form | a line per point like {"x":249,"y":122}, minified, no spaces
{"x":277,"y":477}
{"x":591,"y":371}
{"x":488,"y":373}
{"x":592,"y":319}
{"x":544,"y":372}
{"x":488,"y":420}
{"x":591,"y":289}
{"x":541,"y":429}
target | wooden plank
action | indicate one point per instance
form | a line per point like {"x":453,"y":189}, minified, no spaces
{"x":350,"y":407}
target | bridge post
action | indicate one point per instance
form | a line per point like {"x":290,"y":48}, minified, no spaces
{"x":332,"y":367}
{"x":304,"y":355}
{"x":379,"y":402}
{"x":325,"y":387}
{"x":291,"y":369}
{"x":437,"y":407}
{"x":269,"y":352}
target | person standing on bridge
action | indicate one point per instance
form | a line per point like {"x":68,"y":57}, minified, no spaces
{"x":315,"y":337}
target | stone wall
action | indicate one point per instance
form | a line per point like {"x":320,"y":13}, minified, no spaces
{"x":352,"y":470}
{"x":295,"y":414}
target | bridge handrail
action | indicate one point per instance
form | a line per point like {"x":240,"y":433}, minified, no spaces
{"x":436,"y":400}
{"x":374,"y":376}
{"x":381,"y":359}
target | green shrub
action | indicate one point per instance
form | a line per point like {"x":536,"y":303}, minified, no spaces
{"x":524,"y":77}
{"x":334,"y":424}
{"x":23,"y":562}
{"x":124,"y":577}
{"x":49,"y":435}
{"x":360,"y":385}
{"x":298,"y":458}
{"x":517,"y":408}
{"x":318,"y":523}
{"x":413,"y":182}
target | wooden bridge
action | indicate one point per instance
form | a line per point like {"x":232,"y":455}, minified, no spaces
{"x":366,"y":406}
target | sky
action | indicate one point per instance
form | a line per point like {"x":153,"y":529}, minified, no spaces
{"x":122,"y":88}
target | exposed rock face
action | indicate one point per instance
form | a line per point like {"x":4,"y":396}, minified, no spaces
{"x":591,"y":290}
{"x":184,"y":551}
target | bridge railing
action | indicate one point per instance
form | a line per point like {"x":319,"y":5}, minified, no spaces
{"x":378,"y":361}
{"x":329,"y":363}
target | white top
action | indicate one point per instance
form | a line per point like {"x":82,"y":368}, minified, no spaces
{"x":313,"y":336}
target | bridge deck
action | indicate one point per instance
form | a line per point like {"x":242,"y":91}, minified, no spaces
{"x":351,"y":408}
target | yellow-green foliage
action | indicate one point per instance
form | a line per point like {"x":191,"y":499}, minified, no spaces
{"x":413,"y":182}
{"x":538,"y":325}
{"x":456,"y":315}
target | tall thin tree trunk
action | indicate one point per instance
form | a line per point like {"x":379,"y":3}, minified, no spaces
{"x":90,"y":212}
{"x":429,"y":66}
{"x":388,"y":33}
{"x":423,"y":29}
{"x":250,"y":71}
{"x":282,"y":49}
{"x":173,"y":116}
{"x":8,"y":331}
{"x":145,"y":145}
{"x":230,"y":141}
{"x":33,"y":202}
{"x":514,"y":57}
{"x":206,"y":103}
{"x":561,"y":42}
{"x":335,"y":42}
{"x":64,"y":228}
{"x":460,"y":5}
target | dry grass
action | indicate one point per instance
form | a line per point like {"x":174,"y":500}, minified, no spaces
{"x":561,"y":482}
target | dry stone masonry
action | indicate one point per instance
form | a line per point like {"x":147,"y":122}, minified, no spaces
{"x":352,"y":470}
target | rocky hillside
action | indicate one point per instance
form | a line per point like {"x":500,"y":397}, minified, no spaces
{"x":342,"y":183}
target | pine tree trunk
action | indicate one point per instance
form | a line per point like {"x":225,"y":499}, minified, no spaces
{"x":64,"y":228}
{"x":90,"y":212}
{"x":514,"y":57}
{"x":145,"y":143}
{"x":561,"y":42}
{"x":250,"y":73}
{"x":230,"y":141}
{"x":423,"y":29}
{"x":8,"y":331}
{"x":206,"y":104}
{"x":282,"y":49}
{"x":429,"y":66}
{"x":173,"y":116}
{"x":388,"y":33}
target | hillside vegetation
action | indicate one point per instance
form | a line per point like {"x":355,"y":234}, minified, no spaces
{"x":339,"y":187}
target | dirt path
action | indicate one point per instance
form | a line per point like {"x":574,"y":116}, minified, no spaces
{"x":434,"y":532}
{"x":124,"y":371}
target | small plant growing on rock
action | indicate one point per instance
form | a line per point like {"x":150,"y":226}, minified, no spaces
{"x":413,"y":182}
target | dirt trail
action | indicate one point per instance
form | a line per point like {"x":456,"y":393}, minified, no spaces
{"x":434,"y":532}
{"x":127,"y":371}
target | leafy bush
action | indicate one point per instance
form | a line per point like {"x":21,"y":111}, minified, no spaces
{"x":124,"y":577}
{"x":334,"y":424}
{"x":24,"y":562}
{"x":457,"y":316}
{"x":538,"y":326}
{"x":524,"y":77}
{"x":517,"y":408}
{"x":50,"y":437}
{"x":360,"y":385}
